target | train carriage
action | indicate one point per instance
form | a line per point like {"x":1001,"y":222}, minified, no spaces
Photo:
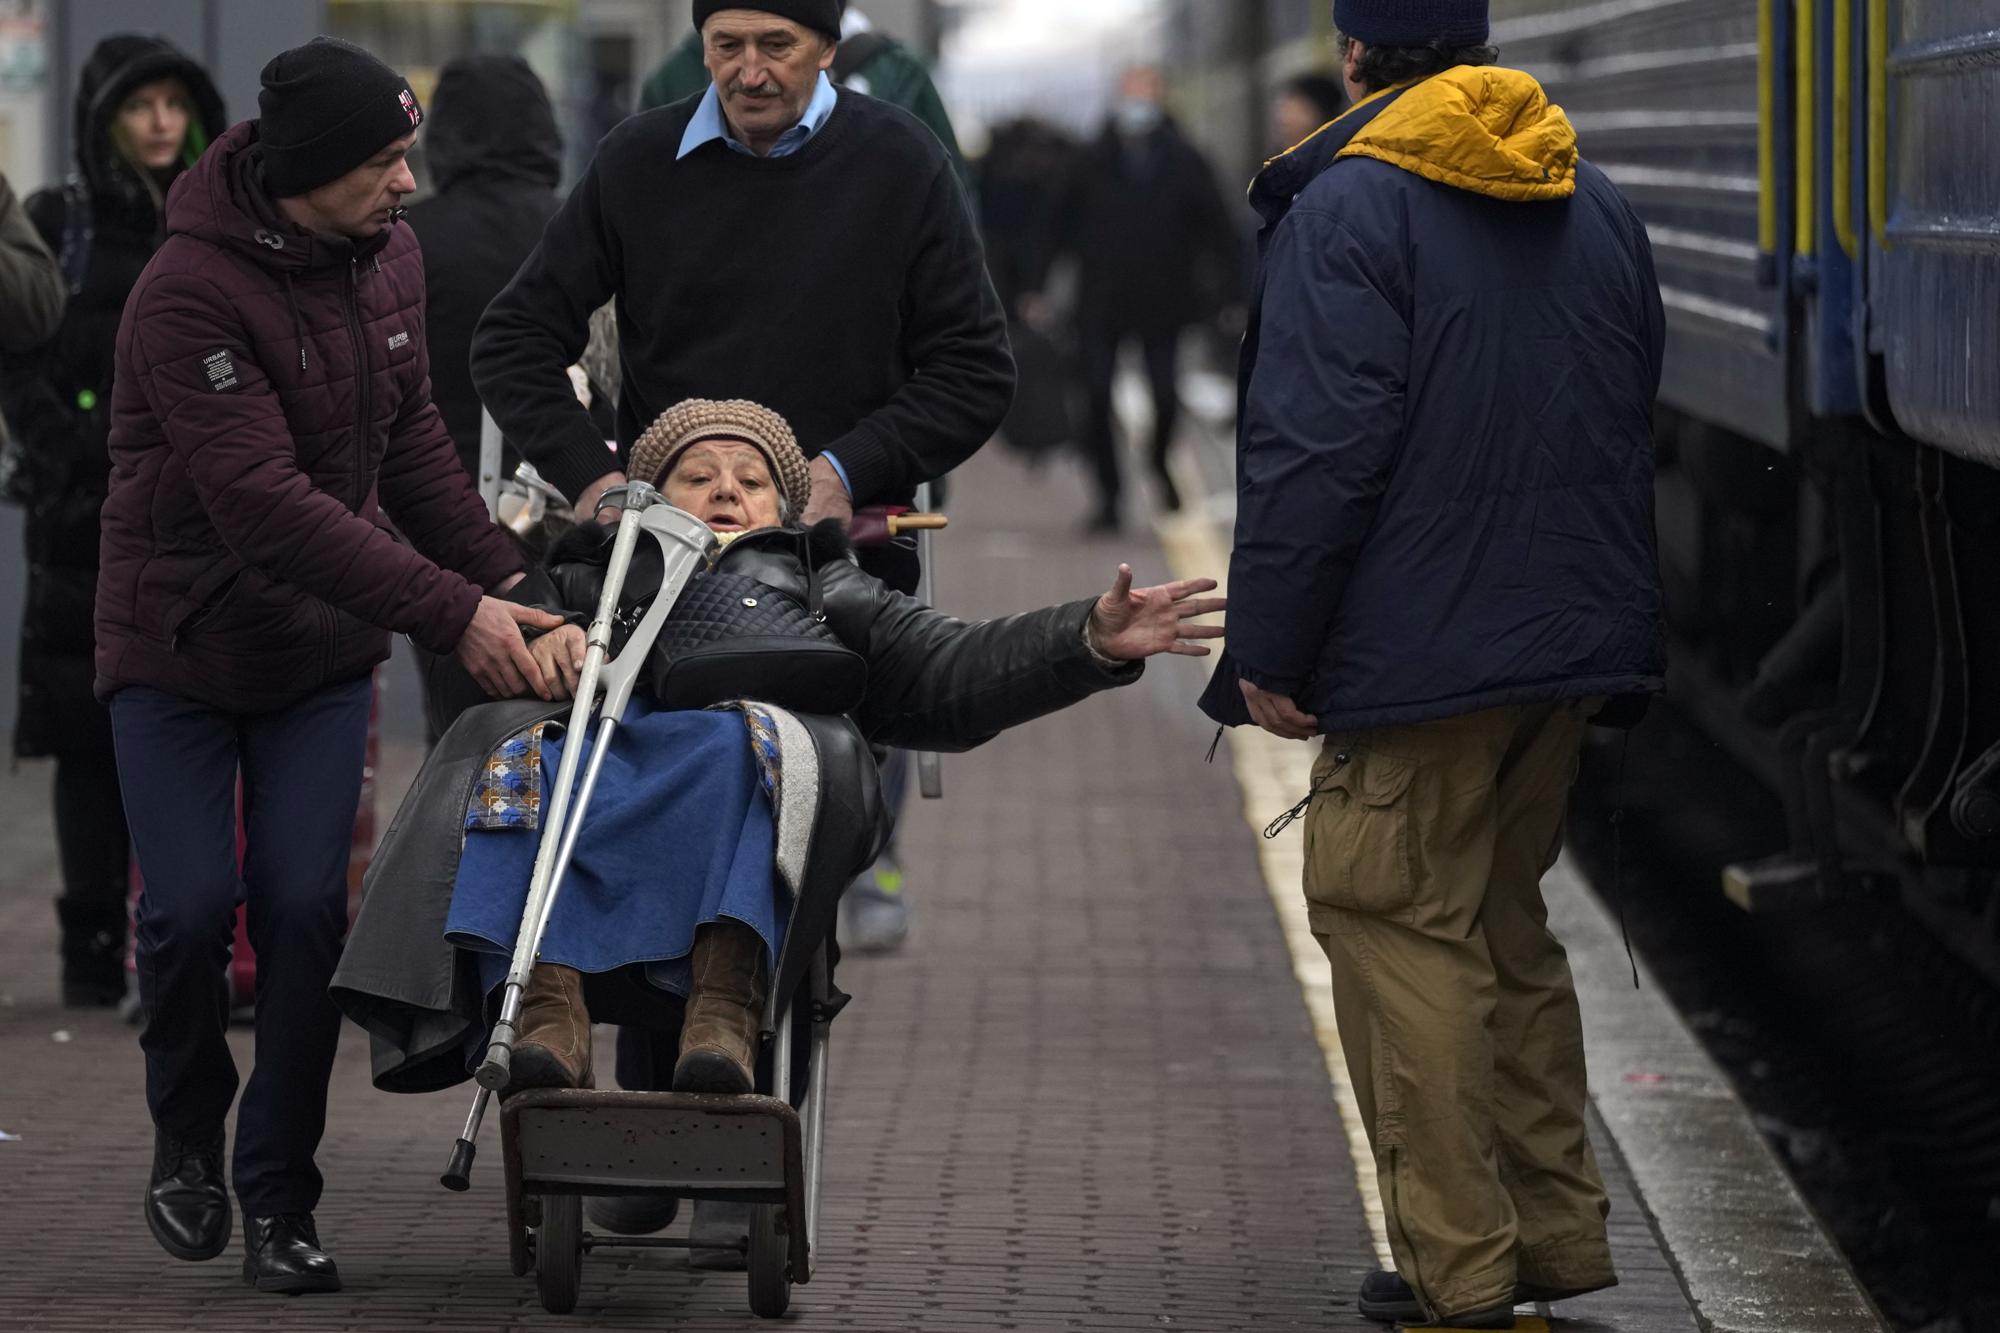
{"x":1822,"y":187}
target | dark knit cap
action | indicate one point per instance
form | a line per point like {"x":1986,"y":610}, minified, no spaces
{"x":1446,"y":23}
{"x":822,"y":15}
{"x":327,"y":107}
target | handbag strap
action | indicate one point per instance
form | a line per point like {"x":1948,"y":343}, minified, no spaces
{"x":815,"y":593}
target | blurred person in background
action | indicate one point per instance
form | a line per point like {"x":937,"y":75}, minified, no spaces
{"x":144,"y":113}
{"x":776,"y":240}
{"x":1303,"y":104}
{"x":1156,"y":252}
{"x":1020,"y":178}
{"x":869,"y":61}
{"x":271,"y":419}
{"x":1026,"y":161}
{"x":31,"y":285}
{"x":495,"y":158}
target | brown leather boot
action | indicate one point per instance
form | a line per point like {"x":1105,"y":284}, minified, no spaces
{"x":553,"y":1050}
{"x":719,"y":1035}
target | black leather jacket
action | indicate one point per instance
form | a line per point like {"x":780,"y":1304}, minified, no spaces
{"x":934,"y":682}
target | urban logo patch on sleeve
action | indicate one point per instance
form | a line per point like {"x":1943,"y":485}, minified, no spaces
{"x":398,"y":340}
{"x":221,"y":371}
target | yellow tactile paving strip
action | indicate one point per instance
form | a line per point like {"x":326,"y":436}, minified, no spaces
{"x":1273,"y":774}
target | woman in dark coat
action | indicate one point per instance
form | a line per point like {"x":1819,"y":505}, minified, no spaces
{"x":144,"y":113}
{"x":495,"y":158}
{"x":680,"y":880}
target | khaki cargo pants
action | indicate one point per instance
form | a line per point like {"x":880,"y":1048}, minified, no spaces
{"x":1425,"y":847}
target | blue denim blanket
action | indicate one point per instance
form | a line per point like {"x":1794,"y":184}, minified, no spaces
{"x":680,"y":832}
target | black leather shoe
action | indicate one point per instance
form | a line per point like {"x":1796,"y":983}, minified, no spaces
{"x":187,"y":1200}
{"x":282,"y":1254}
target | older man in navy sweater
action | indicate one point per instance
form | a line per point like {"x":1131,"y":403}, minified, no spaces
{"x":778,"y":240}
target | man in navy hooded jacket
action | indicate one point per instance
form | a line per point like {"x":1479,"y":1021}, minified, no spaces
{"x":1445,"y":565}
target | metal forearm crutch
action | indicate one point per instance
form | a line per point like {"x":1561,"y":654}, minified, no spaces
{"x":685,"y":543}
{"x":489,"y":464}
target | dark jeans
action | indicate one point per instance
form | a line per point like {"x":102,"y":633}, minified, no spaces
{"x":91,"y":840}
{"x":1098,"y":351}
{"x":301,"y":767}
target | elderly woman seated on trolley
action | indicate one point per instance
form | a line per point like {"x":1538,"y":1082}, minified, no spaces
{"x":778,"y":659}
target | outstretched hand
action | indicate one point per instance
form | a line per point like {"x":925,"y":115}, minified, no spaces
{"x":1130,"y":623}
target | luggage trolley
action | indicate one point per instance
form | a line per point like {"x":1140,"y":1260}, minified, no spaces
{"x":560,"y":1145}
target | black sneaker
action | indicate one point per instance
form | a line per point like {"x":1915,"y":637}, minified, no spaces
{"x":187,"y":1198}
{"x":1385,"y":1298}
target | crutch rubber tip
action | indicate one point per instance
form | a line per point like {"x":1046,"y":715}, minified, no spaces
{"x":494,"y":1071}
{"x":458,"y":1176}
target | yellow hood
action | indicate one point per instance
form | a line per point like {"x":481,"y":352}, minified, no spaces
{"x":1477,"y":127}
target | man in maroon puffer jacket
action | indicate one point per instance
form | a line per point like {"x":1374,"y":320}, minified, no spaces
{"x":271,"y":402}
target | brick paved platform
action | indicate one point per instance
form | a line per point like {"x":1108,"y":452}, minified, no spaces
{"x":1088,"y":1095}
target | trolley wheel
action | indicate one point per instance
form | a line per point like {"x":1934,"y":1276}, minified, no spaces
{"x":770,"y":1263}
{"x":559,"y":1252}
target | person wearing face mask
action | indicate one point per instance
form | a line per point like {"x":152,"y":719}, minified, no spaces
{"x":144,"y":113}
{"x":1156,"y":252}
{"x":270,"y":417}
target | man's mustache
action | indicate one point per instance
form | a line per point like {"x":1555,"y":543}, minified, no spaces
{"x":737,"y":88}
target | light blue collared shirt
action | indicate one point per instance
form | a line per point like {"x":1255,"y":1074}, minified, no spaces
{"x":708,"y":125}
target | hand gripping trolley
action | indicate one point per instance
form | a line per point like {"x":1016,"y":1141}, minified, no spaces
{"x":559,"y":1145}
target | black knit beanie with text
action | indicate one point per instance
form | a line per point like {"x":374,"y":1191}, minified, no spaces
{"x":325,"y":108}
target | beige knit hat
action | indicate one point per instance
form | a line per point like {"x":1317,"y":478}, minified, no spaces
{"x":688,"y":423}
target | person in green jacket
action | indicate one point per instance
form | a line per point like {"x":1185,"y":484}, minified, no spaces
{"x":870,"y":62}
{"x":31,"y":284}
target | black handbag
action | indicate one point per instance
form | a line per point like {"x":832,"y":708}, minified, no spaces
{"x":731,"y":637}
